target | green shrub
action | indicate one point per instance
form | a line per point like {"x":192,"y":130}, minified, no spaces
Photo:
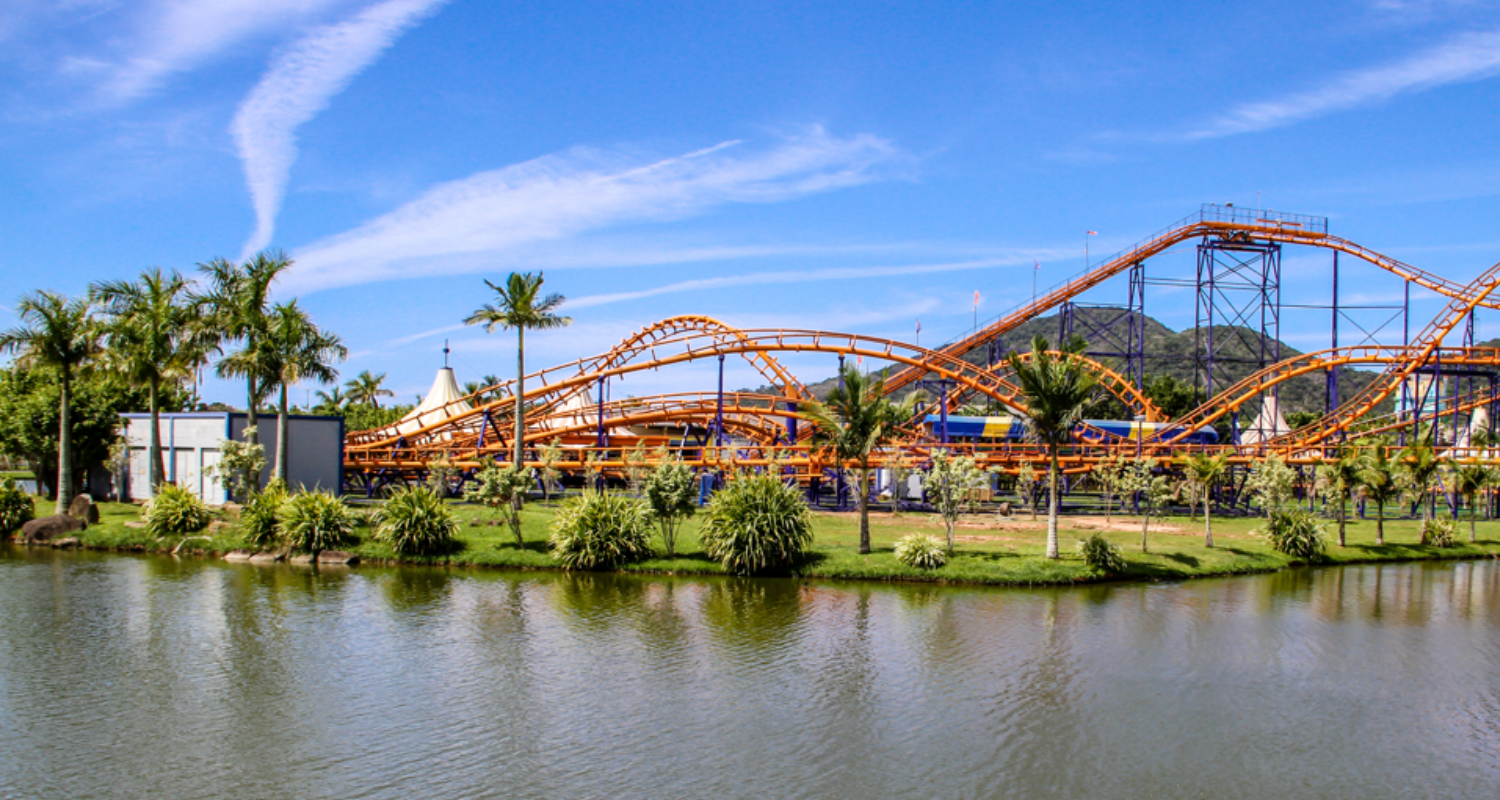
{"x":260,"y":519}
{"x":313,"y":521}
{"x":1102,"y":554}
{"x":16,"y":508}
{"x":921,"y":550}
{"x":1438,"y":532}
{"x":174,"y":511}
{"x":416,"y":522}
{"x":599,"y":530}
{"x":1297,"y":533}
{"x":757,"y":523}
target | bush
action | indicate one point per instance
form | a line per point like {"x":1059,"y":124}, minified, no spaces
{"x":757,"y":523}
{"x":599,"y":530}
{"x":921,"y":550}
{"x":1297,"y":533}
{"x":1102,"y":554}
{"x":260,"y":519}
{"x":174,"y":511}
{"x":313,"y":521}
{"x":416,"y":522}
{"x":1438,"y":532}
{"x":16,"y":508}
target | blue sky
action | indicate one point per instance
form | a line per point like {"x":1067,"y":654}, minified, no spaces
{"x":838,"y":166}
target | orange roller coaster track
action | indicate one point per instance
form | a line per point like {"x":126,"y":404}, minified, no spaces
{"x":564,"y":404}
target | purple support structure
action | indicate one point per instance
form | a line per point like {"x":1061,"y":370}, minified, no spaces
{"x":1239,"y":287}
{"x":601,"y":439}
{"x":719,"y":408}
{"x":791,"y":423}
{"x":1331,"y":400}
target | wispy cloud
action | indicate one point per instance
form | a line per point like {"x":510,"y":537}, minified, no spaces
{"x":459,"y":226}
{"x":801,"y":276}
{"x":171,"y":36}
{"x":298,"y":87}
{"x":1469,"y":57}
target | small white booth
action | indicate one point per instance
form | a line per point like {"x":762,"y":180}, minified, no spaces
{"x":190,"y":450}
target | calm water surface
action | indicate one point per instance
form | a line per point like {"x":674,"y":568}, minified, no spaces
{"x":148,"y":677}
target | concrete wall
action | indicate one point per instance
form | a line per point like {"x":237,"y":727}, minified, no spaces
{"x":190,"y":450}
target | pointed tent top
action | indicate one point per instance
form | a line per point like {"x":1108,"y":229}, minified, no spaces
{"x":442,"y":401}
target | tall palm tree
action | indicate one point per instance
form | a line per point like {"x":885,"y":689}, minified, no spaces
{"x":858,"y":419}
{"x":1204,"y":471}
{"x":1377,"y":480}
{"x":1419,"y":468}
{"x":60,"y":333}
{"x":331,"y":401}
{"x":1469,"y":481}
{"x":238,"y":301}
{"x":1341,"y":477}
{"x":1056,"y":387}
{"x":367,"y":388}
{"x":157,"y":337}
{"x":519,"y":305}
{"x":296,"y":350}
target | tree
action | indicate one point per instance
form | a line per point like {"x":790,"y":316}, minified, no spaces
{"x":1203,"y":471}
{"x":1110,"y":475}
{"x":498,"y":487}
{"x":1139,"y":476}
{"x":331,"y":403}
{"x":949,"y":484}
{"x":156,"y":336}
{"x":1379,"y":482}
{"x":367,"y":388}
{"x":856,"y":419}
{"x":1026,"y":486}
{"x":1271,"y":482}
{"x":1470,"y":480}
{"x":1056,"y":388}
{"x":551,"y":456}
{"x":58,"y":333}
{"x":669,"y":492}
{"x":1418,"y":473}
{"x":519,"y":305}
{"x":296,"y":350}
{"x":238,"y":304}
{"x":1339,"y":479}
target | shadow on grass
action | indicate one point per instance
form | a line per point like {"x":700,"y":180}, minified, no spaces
{"x":1183,"y":559}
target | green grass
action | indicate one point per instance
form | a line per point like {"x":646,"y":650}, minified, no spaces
{"x":989,"y":551}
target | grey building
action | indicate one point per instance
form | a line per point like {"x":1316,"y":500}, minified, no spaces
{"x":190,"y":444}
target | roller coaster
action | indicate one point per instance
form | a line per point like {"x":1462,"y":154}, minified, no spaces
{"x":1410,"y":388}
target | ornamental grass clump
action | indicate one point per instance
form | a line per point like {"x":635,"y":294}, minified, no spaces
{"x":1102,"y":554}
{"x":260,"y":519}
{"x":416,"y":522}
{"x":1297,"y":533}
{"x":174,"y":511}
{"x":921,"y":550}
{"x":1438,"y":532}
{"x":600,"y":530}
{"x":756,"y":524}
{"x":16,"y":508}
{"x":315,"y":521}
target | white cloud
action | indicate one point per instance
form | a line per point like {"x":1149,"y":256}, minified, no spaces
{"x":171,"y":36}
{"x":1470,"y":57}
{"x":459,"y":226}
{"x":298,"y":87}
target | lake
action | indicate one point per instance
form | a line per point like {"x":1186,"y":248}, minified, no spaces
{"x":127,"y":676}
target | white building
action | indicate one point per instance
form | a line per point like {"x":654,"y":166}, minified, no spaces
{"x":190,"y":444}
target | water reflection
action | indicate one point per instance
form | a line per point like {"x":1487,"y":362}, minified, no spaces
{"x":1369,"y":681}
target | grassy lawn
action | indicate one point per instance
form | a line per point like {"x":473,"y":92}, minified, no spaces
{"x":988,"y":549}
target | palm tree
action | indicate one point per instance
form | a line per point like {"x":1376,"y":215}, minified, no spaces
{"x":1419,"y":470}
{"x":1469,"y":481}
{"x":157,"y":337}
{"x":857,"y":419}
{"x":60,"y":333}
{"x":331,"y":401}
{"x":1056,"y":388}
{"x":1341,"y":477}
{"x":296,"y":350}
{"x":1204,"y":471}
{"x":518,"y":306}
{"x":238,"y":302}
{"x":367,"y":388}
{"x":1378,"y":481}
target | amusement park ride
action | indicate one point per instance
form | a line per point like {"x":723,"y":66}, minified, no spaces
{"x":1236,"y":284}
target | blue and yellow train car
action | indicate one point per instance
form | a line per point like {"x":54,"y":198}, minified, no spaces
{"x":1013,"y":429}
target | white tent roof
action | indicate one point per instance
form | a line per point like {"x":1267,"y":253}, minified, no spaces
{"x":442,"y":401}
{"x":1268,"y":423}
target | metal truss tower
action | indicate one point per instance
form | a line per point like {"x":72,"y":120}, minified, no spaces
{"x":1112,"y":332}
